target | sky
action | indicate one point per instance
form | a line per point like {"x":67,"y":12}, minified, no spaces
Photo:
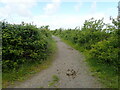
{"x":57,"y":13}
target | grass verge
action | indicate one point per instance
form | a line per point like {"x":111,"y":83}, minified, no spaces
{"x":104,"y":73}
{"x":55,"y":80}
{"x":28,"y":70}
{"x":0,"y":80}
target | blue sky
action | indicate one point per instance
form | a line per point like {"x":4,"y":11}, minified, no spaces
{"x":57,"y":13}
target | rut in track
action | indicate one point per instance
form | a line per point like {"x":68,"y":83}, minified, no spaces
{"x":69,"y":68}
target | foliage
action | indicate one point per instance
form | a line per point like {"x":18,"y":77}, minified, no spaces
{"x":102,"y":43}
{"x":22,"y":44}
{"x":99,"y":41}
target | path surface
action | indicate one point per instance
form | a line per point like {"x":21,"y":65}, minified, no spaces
{"x":68,"y":66}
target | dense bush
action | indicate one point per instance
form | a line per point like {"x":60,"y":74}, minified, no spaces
{"x":0,"y":47}
{"x":24,"y":43}
{"x":106,"y":51}
{"x":98,"y":38}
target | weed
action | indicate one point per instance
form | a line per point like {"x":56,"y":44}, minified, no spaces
{"x":55,"y":80}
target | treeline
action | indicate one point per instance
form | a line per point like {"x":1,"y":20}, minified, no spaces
{"x":98,"y":39}
{"x":24,"y":43}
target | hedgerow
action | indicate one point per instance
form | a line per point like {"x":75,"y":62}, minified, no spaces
{"x":23,"y":43}
{"x":96,"y":37}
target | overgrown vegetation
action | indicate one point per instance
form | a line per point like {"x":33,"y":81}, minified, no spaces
{"x":99,"y":42}
{"x":0,"y":57}
{"x":24,"y":47}
{"x":55,"y":80}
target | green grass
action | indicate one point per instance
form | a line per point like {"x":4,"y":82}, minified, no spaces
{"x":29,"y":69}
{"x":55,"y":80}
{"x":0,"y":80}
{"x":0,"y":70}
{"x":104,"y":73}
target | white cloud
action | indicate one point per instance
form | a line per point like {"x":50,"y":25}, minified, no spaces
{"x":59,"y":21}
{"x":78,"y":6}
{"x":16,"y":7}
{"x":17,"y":12}
{"x":57,"y":0}
{"x":93,"y":7}
{"x":18,"y":1}
{"x":66,"y":21}
{"x":52,"y":7}
{"x":112,"y":11}
{"x":5,"y":11}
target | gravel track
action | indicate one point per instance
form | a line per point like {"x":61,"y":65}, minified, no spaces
{"x":70,"y":69}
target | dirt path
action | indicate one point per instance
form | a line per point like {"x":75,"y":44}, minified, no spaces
{"x":69,"y":68}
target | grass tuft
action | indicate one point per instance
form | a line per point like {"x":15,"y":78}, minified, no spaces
{"x":55,"y":80}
